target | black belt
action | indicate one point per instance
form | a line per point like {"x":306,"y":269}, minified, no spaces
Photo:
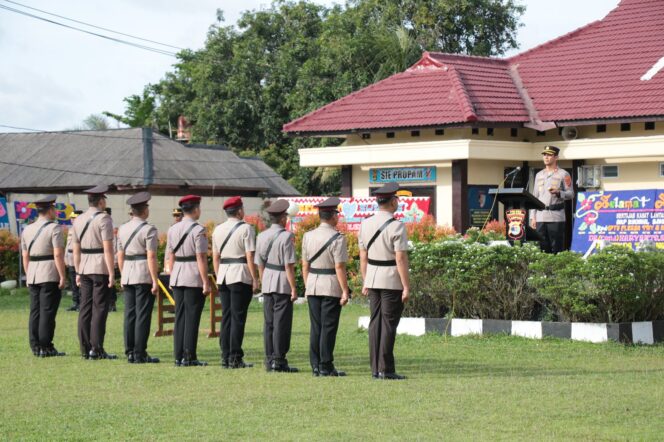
{"x":275,"y":267}
{"x":135,"y":257}
{"x":92,"y":251}
{"x":185,"y":258}
{"x":378,"y":263}
{"x":70,"y":251}
{"x":233,"y":260}
{"x":322,"y":271}
{"x":559,"y":206}
{"x":42,"y":258}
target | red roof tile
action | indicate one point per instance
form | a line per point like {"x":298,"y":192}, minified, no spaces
{"x":594,"y":72}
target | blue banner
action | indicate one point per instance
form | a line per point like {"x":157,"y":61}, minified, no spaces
{"x":628,"y":217}
{"x":402,"y":175}
{"x":4,"y":215}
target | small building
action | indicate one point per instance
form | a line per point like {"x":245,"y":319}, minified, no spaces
{"x":452,"y":126}
{"x":132,"y":160}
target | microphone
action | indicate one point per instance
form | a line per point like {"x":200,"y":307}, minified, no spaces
{"x":513,"y":174}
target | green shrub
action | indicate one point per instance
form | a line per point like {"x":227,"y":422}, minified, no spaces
{"x":9,"y":245}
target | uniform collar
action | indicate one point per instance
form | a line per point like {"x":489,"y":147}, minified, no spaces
{"x":326,"y":226}
{"x":233,"y":220}
{"x":137,"y":219}
{"x":384,"y":214}
{"x":188,"y":220}
{"x":276,"y":226}
{"x":93,"y":210}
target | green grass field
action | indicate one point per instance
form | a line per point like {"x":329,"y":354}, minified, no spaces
{"x":458,"y":388}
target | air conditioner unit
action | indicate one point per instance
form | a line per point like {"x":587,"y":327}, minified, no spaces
{"x":589,"y":177}
{"x":570,"y":133}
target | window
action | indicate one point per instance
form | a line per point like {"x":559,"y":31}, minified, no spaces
{"x":390,"y":135}
{"x":661,"y":170}
{"x":540,"y":133}
{"x":475,"y":131}
{"x":650,"y":125}
{"x":489,"y":131}
{"x":440,"y":131}
{"x":514,"y":132}
{"x":609,"y":171}
{"x":601,"y":128}
{"x":414,"y":133}
{"x":625,"y":127}
{"x":366,"y":136}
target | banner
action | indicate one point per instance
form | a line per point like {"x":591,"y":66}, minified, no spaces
{"x":27,"y":213}
{"x":353,"y":210}
{"x":4,"y":215}
{"x":628,"y":217}
{"x":402,"y":175}
{"x":480,"y":204}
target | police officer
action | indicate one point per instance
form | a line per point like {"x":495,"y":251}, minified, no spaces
{"x":384,"y":265}
{"x":233,"y":247}
{"x":275,"y":258}
{"x":177,"y":215}
{"x":69,"y":263}
{"x":43,"y":261}
{"x":187,"y":247}
{"x":553,"y":186}
{"x":137,"y":258}
{"x":114,"y":291}
{"x":324,"y":257}
{"x":94,"y":262}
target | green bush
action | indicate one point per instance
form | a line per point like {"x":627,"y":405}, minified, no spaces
{"x":9,"y":245}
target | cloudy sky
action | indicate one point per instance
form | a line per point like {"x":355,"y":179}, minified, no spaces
{"x":51,"y":78}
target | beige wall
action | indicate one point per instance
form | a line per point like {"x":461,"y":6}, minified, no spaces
{"x":636,"y":175}
{"x":160,"y":207}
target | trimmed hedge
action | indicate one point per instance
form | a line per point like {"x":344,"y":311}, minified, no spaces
{"x":458,"y":279}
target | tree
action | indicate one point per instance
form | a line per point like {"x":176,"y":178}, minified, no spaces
{"x":280,"y":63}
{"x":94,"y":122}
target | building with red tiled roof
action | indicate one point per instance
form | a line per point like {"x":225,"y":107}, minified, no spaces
{"x":597,"y":93}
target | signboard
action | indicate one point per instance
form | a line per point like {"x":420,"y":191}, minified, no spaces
{"x":27,"y":213}
{"x":402,"y":175}
{"x":629,"y":218}
{"x":4,"y":215}
{"x":353,"y":210}
{"x":480,"y":204}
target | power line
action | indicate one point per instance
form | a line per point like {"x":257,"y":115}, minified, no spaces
{"x":75,"y":133}
{"x":106,"y":37}
{"x":94,"y":26}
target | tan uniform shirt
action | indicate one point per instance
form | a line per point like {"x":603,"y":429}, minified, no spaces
{"x":99,"y":230}
{"x":242,"y":241}
{"x":49,"y":239}
{"x":337,"y":252}
{"x":282,"y":253}
{"x":69,"y":252}
{"x":544,"y":180}
{"x":186,"y":274}
{"x":393,"y":239}
{"x":137,"y":271}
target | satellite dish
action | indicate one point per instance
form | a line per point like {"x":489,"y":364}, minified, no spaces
{"x":570,"y":133}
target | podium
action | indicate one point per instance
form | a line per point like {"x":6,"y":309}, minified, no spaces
{"x":517,"y":202}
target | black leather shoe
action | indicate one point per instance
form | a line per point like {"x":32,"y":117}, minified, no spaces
{"x":375,"y":375}
{"x":284,"y":368}
{"x":130,"y":358}
{"x":391,"y":376}
{"x":53,"y":352}
{"x":195,"y":363}
{"x":73,"y":308}
{"x":150,"y":360}
{"x":239,"y":363}
{"x":43,"y":353}
{"x":86,"y":356}
{"x":104,"y":355}
{"x":315,"y":372}
{"x":93,"y":355}
{"x":224,"y":363}
{"x":332,"y":373}
{"x":178,"y":363}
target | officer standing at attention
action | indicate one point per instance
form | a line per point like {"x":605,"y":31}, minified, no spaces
{"x":94,"y":262}
{"x":275,"y":258}
{"x":69,"y":263}
{"x":137,"y":258}
{"x":324,"y":258}
{"x":43,"y":261}
{"x":186,"y":250}
{"x":233,"y":247}
{"x":553,"y":186}
{"x":177,"y":217}
{"x":384,"y":265}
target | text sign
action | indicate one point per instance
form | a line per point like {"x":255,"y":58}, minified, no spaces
{"x":402,"y":175}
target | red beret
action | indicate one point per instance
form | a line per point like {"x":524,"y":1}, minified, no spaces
{"x":189,"y":199}
{"x":232,"y":202}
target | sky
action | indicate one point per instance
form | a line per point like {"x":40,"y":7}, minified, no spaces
{"x":51,"y":78}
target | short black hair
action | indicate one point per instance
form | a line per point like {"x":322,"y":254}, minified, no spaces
{"x":94,"y":199}
{"x":382,"y":200}
{"x":138,"y":209}
{"x":232,"y":211}
{"x":276,"y":219}
{"x":189,"y":207}
{"x":43,"y":210}
{"x":327,"y":214}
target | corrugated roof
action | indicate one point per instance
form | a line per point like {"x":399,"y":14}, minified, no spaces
{"x":115,"y":157}
{"x":595,"y":72}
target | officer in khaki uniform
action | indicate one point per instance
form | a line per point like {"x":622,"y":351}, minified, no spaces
{"x":553,"y":186}
{"x":187,"y":248}
{"x":233,"y":247}
{"x":93,"y":257}
{"x":275,"y":258}
{"x":324,"y":258}
{"x":43,"y":261}
{"x":383,"y":246}
{"x":71,"y":269}
{"x":137,"y":259}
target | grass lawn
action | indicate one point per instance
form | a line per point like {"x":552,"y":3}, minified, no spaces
{"x":458,"y":388}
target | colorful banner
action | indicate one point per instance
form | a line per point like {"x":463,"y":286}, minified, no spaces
{"x":353,"y":210}
{"x":27,"y":212}
{"x":480,"y":204}
{"x":629,"y":218}
{"x":4,"y":215}
{"x":402,"y":175}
